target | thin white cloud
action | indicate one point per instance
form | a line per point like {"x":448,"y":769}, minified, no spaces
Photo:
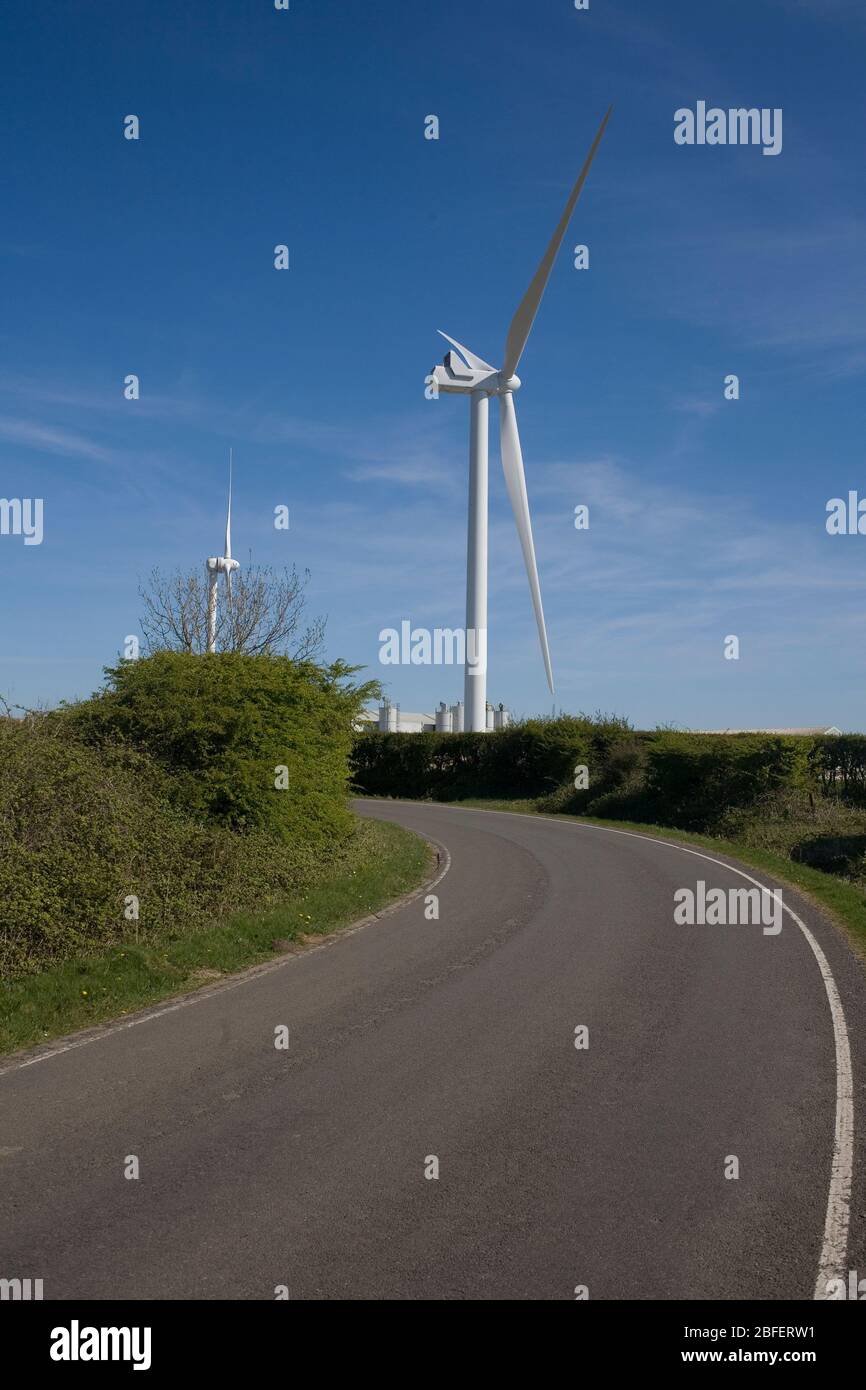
{"x":51,"y":440}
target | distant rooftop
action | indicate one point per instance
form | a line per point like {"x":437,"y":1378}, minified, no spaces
{"x":805,"y":733}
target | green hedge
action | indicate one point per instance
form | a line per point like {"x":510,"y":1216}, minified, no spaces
{"x":678,"y":779}
{"x":838,"y":764}
{"x":692,"y":779}
{"x":530,"y":758}
{"x":83,"y":829}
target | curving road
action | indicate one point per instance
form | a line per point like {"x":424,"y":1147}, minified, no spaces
{"x":602,"y":1167}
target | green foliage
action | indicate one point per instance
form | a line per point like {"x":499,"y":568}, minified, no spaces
{"x":838,"y":764}
{"x":162,"y":787}
{"x":684,"y":780}
{"x":222,"y":724}
{"x":616,"y":764}
{"x":530,"y":758}
{"x":820,"y":831}
{"x":83,"y":829}
{"x":692,"y":779}
{"x":666,"y":777}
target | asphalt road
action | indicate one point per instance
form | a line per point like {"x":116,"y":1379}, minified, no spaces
{"x":559,"y":1167}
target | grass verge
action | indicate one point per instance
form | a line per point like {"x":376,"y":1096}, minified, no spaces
{"x":844,"y":902}
{"x":78,"y":993}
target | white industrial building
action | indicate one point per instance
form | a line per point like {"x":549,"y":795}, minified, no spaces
{"x":447,"y":719}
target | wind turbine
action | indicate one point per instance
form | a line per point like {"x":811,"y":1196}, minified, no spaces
{"x":472,"y":376}
{"x":217,"y":565}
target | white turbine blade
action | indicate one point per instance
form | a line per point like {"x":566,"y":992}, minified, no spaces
{"x":228,"y":551}
{"x":521,"y":324}
{"x":477,"y":362}
{"x":512,"y":467}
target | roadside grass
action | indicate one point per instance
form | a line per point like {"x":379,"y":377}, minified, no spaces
{"x":845,"y":902}
{"x":131,"y":975}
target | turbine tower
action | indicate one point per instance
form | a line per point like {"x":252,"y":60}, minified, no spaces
{"x":472,"y":376}
{"x":217,"y":565}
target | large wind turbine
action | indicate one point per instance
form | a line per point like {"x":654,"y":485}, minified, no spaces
{"x":217,"y":565}
{"x":476,"y":378}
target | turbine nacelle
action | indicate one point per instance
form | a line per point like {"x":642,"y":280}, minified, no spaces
{"x":217,"y":565}
{"x":459,"y":377}
{"x":464,"y":381}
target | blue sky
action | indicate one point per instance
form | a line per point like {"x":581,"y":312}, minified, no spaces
{"x":258,"y":127}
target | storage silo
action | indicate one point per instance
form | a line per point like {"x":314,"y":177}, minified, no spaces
{"x":389,"y":718}
{"x":443,"y":719}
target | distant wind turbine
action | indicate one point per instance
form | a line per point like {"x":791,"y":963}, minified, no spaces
{"x":476,"y":378}
{"x":217,"y":565}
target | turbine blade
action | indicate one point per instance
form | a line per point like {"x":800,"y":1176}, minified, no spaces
{"x":228,"y":551}
{"x":229,"y":586}
{"x":515,"y":481}
{"x":477,"y":362}
{"x":521,"y":324}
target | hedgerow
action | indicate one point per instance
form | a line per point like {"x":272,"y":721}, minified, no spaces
{"x":664,"y":776}
{"x":158,"y":797}
{"x":529,"y":758}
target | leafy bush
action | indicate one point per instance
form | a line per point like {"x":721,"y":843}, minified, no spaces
{"x":692,"y":779}
{"x":83,"y":829}
{"x":616,"y":767}
{"x":823,"y":832}
{"x":678,"y":779}
{"x":144,"y":790}
{"x":221,"y":725}
{"x":838,"y":764}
